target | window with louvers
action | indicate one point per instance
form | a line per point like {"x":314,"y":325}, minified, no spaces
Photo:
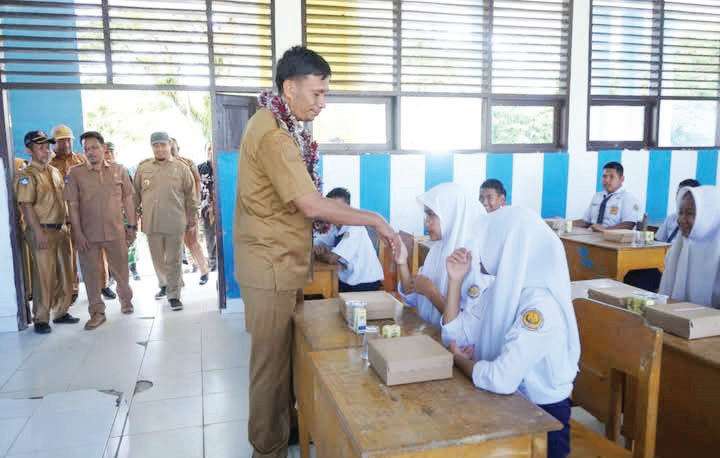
{"x":136,"y":43}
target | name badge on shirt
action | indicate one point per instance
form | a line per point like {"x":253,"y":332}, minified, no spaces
{"x":473,"y":291}
{"x":532,"y":320}
{"x":24,"y":181}
{"x":613,"y":211}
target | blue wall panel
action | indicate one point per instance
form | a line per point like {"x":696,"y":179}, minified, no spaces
{"x":438,"y":169}
{"x":555,"y":183}
{"x":658,"y":184}
{"x":375,"y":183}
{"x":500,"y":166}
{"x":707,"y":166}
{"x":227,"y":184}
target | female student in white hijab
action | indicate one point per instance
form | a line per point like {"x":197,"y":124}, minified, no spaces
{"x":521,"y":333}
{"x":451,"y":216}
{"x":692,"y":266}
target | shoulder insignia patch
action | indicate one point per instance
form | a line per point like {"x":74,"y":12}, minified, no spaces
{"x":24,"y":181}
{"x":636,"y":207}
{"x":532,"y":320}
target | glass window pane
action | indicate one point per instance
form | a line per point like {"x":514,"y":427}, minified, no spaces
{"x":351,"y":123}
{"x":617,"y":123}
{"x":522,"y":124}
{"x":688,"y":122}
{"x":441,"y":123}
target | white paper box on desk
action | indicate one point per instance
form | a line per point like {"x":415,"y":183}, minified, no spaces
{"x":619,"y":235}
{"x":410,"y":359}
{"x":381,"y":305}
{"x":614,"y":295}
{"x":685,"y":319}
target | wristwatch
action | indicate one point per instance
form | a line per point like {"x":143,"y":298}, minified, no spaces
{"x":131,"y":226}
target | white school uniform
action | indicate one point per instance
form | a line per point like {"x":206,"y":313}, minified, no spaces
{"x":667,"y":228}
{"x":692,"y":265}
{"x":523,"y":326}
{"x":621,"y":207}
{"x":458,"y":213}
{"x":356,"y":253}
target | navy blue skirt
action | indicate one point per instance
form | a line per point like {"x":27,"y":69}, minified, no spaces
{"x":559,"y":441}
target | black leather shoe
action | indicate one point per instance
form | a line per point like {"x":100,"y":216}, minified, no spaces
{"x":42,"y":328}
{"x":204,"y":279}
{"x":160,"y":294}
{"x":108,"y":293}
{"x":66,"y":319}
{"x":175,"y":304}
{"x":294,"y":438}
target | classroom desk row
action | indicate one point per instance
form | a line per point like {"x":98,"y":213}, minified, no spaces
{"x":348,"y":412}
{"x":688,"y":421}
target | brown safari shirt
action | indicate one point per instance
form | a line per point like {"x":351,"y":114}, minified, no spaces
{"x":42,"y":186}
{"x":272,"y":238}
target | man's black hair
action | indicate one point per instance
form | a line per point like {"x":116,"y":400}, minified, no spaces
{"x":690,"y":182}
{"x":339,"y":192}
{"x":300,"y":61}
{"x":92,"y":134}
{"x":615,"y":166}
{"x":493,"y":183}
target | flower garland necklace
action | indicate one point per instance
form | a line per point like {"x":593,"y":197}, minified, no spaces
{"x":303,"y":138}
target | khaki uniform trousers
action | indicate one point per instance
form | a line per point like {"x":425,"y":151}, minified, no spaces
{"x":75,"y":280}
{"x":91,"y":260}
{"x":51,"y":274}
{"x":166,"y":254}
{"x":271,"y":399}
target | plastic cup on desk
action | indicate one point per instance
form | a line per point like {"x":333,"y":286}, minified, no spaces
{"x":371,"y":333}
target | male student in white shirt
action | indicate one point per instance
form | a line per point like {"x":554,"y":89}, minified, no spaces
{"x":669,"y":230}
{"x":613,"y":208}
{"x":351,"y":247}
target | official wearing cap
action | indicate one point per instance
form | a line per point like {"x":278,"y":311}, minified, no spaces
{"x":165,"y":197}
{"x":39,"y":189}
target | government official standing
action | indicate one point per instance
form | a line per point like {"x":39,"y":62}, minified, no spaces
{"x":39,"y":190}
{"x":63,"y":160}
{"x":165,"y":197}
{"x":97,"y":193}
{"x":207,"y":206}
{"x":272,"y":233}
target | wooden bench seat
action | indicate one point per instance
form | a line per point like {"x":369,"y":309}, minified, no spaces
{"x":585,"y":443}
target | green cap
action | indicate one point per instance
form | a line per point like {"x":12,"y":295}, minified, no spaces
{"x":159,"y":137}
{"x":110,"y":146}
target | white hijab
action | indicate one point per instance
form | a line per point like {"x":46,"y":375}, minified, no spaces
{"x":691,"y":265}
{"x":521,"y":251}
{"x":458,"y":214}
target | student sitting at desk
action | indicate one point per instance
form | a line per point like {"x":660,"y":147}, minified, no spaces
{"x":492,"y":195}
{"x":669,"y":228}
{"x":521,"y":333}
{"x":613,"y":209}
{"x":352,"y":249}
{"x":692,"y":266}
{"x":451,"y":218}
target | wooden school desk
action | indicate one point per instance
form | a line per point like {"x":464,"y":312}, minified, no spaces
{"x":356,"y":415}
{"x":320,"y":327}
{"x":689,"y":399}
{"x":325,"y":280}
{"x":590,"y":256}
{"x":424,"y":245}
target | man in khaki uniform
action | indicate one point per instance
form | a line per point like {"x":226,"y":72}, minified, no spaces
{"x":20,"y":164}
{"x":191,"y":236}
{"x":272,"y":234}
{"x":39,"y":189}
{"x":97,"y":193}
{"x":63,"y":160}
{"x":165,"y":197}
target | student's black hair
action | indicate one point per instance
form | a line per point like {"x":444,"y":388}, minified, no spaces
{"x":615,"y":166}
{"x":92,"y":134}
{"x":300,"y":61}
{"x":690,"y":182}
{"x":493,"y":183}
{"x":339,"y":192}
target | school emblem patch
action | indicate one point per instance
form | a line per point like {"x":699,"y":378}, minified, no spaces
{"x":636,"y":207}
{"x":613,"y":210}
{"x":473,"y":291}
{"x":146,"y":183}
{"x":532,"y":319}
{"x":24,"y":181}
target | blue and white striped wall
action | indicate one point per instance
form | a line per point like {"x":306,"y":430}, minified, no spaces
{"x":553,"y":184}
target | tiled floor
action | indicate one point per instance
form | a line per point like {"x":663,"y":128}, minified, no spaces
{"x":52,"y":406}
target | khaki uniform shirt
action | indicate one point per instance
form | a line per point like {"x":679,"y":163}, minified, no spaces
{"x":65,"y":164}
{"x":42,"y":186}
{"x":99,"y":194}
{"x":272,"y":238}
{"x":165,"y":193}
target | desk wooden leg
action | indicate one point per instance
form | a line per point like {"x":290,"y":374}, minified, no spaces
{"x":304,"y":438}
